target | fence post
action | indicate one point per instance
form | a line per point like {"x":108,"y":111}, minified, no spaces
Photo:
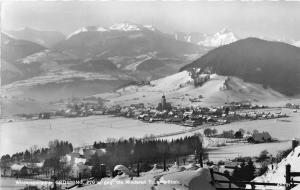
{"x":201,"y":159}
{"x":287,"y":176}
{"x":295,"y":143}
{"x":138,"y":169}
{"x":212,"y":175}
{"x":102,"y":170}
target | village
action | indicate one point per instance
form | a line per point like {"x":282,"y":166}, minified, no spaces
{"x":62,"y":161}
{"x":79,"y":166}
{"x":66,"y":162}
{"x":165,"y":112}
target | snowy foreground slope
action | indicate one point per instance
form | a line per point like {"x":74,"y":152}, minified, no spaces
{"x":189,"y":177}
{"x":277,"y":174}
{"x":179,"y":90}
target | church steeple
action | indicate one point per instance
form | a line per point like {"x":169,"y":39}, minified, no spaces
{"x":163,"y":102}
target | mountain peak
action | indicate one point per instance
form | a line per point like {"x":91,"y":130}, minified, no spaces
{"x":124,"y":27}
{"x":25,"y":28}
{"x":82,"y":29}
{"x":220,"y":38}
{"x":224,"y":31}
{"x":87,"y":29}
{"x":150,"y":27}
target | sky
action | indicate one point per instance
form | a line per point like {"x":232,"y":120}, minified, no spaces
{"x":280,"y":20}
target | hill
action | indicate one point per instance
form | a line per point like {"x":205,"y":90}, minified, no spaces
{"x":99,"y":66}
{"x":179,"y":90}
{"x":44,"y":38}
{"x":150,"y":64}
{"x":13,"y":49}
{"x":272,"y":64}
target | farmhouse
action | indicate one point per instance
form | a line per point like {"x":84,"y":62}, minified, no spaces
{"x":19,"y":170}
{"x":73,"y":158}
{"x":260,"y":137}
{"x":192,"y":123}
{"x":100,"y":152}
{"x":80,"y":170}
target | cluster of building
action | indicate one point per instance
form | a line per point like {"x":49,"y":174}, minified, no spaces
{"x":22,"y":169}
{"x":199,"y":77}
{"x":76,"y":161}
{"x":164,"y":111}
{"x":293,"y":106}
{"x":198,"y":115}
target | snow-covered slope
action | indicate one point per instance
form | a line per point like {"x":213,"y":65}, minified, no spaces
{"x":220,"y":38}
{"x":176,"y":178}
{"x":86,"y":29}
{"x":179,"y":90}
{"x":277,"y":174}
{"x":83,"y":29}
{"x":150,"y":27}
{"x":296,"y":43}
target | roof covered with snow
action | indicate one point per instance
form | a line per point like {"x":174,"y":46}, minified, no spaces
{"x":179,"y":178}
{"x":17,"y":167}
{"x":277,"y":174}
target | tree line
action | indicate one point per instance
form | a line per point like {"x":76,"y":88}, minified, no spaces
{"x":51,"y":156}
{"x":136,"y":154}
{"x":132,"y":151}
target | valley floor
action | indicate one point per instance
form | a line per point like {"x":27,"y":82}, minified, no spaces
{"x":85,"y":131}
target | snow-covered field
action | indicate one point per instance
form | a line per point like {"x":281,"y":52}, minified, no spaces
{"x":251,"y":150}
{"x":21,"y":135}
{"x":282,"y":129}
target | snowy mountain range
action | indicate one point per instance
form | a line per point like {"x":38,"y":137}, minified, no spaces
{"x":95,"y":59}
{"x":98,"y":59}
{"x":125,"y":27}
{"x":223,"y":37}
